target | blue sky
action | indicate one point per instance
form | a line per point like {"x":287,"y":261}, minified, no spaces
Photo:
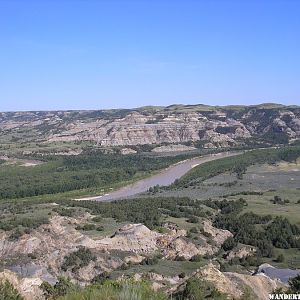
{"x":108,"y":54}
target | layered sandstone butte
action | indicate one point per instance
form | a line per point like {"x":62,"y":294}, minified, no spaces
{"x":211,"y":126}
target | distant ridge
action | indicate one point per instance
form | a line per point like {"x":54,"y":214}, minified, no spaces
{"x":196,"y":125}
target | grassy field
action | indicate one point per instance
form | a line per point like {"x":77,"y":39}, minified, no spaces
{"x":109,"y":225}
{"x":183,"y":223}
{"x":291,"y":258}
{"x":7,"y":147}
{"x":283,"y":176}
{"x":258,"y":186}
{"x":261,"y":204}
{"x":163,"y":267}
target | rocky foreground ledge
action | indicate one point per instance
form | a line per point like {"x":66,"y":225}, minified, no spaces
{"x":50,"y":243}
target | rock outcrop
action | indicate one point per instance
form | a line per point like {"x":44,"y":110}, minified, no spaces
{"x":125,"y":151}
{"x":219,"y":236}
{"x":29,"y":288}
{"x":211,"y":126}
{"x":238,"y":286}
{"x":50,"y":243}
{"x":241,"y":252}
{"x":173,"y":148}
{"x":136,"y":238}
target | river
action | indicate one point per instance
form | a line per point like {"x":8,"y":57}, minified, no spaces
{"x":164,"y":178}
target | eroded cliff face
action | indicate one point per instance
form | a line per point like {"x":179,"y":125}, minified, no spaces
{"x":238,"y":286}
{"x":51,"y":243}
{"x":212,"y":126}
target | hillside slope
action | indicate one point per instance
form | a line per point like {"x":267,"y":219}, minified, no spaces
{"x":204,"y":126}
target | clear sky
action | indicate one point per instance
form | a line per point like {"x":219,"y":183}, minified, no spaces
{"x":63,"y":54}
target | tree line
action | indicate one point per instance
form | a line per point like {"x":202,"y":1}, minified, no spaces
{"x":237,"y":164}
{"x":62,"y":174}
{"x":277,"y":232}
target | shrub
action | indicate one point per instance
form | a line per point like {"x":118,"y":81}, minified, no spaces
{"x":8,"y":292}
{"x":101,"y":278}
{"x":65,"y":212}
{"x":196,"y":258}
{"x":61,"y":288}
{"x":193,"y":219}
{"x":194,"y":230}
{"x":229,"y":244}
{"x":295,"y":284}
{"x":149,"y":261}
{"x":86,"y":227}
{"x":97,"y":219}
{"x":78,"y":259}
{"x":100,"y":228}
{"x":280,"y":258}
{"x":199,"y":289}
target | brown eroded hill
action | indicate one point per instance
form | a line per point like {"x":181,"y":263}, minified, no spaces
{"x":199,"y":125}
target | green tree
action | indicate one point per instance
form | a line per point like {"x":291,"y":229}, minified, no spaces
{"x":280,"y":258}
{"x":229,"y":244}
